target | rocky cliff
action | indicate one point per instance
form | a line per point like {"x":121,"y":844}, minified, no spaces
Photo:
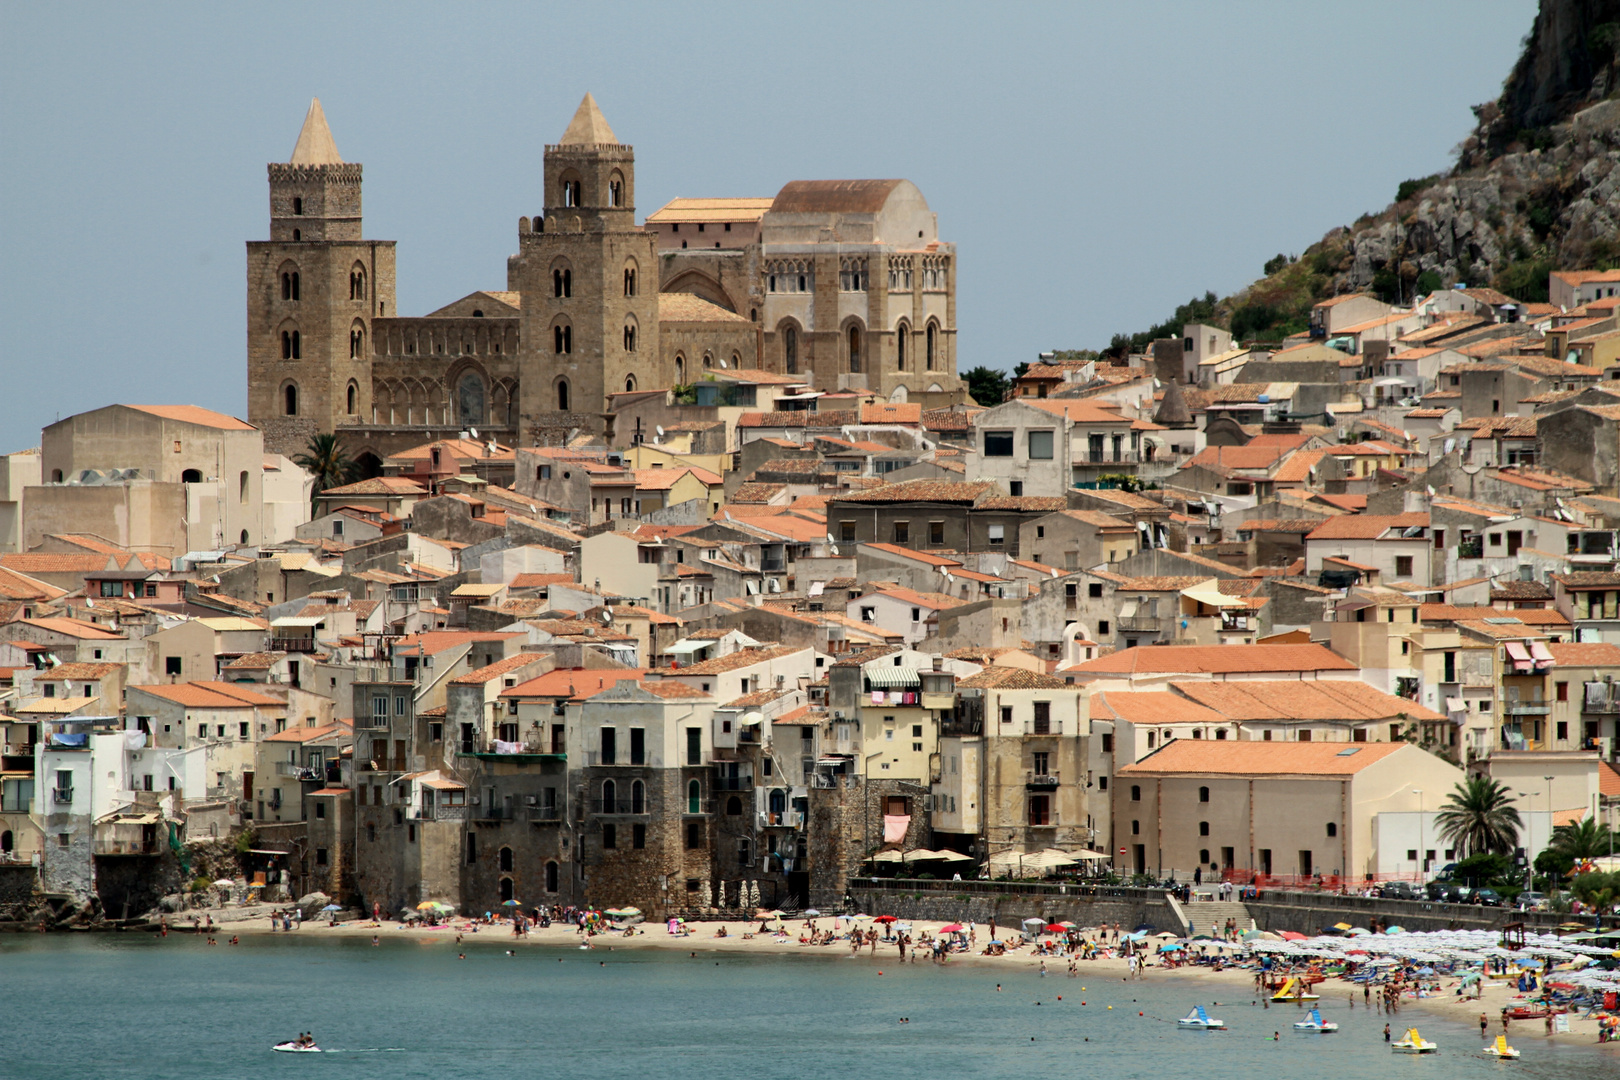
{"x":1536,"y":187}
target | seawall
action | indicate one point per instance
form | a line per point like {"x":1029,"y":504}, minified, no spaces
{"x":1008,"y":903}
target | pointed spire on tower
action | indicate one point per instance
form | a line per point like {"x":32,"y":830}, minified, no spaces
{"x":315,"y":145}
{"x":588,"y":127}
{"x":1173,"y":411}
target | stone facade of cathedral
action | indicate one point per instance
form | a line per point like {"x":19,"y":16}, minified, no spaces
{"x":844,"y":283}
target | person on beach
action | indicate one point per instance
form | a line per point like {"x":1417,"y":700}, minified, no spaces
{"x":1386,"y":1033}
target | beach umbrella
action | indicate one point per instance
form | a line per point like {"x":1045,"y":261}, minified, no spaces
{"x":952,"y":856}
{"x":953,"y":928}
{"x":888,"y":857}
{"x":224,"y":883}
{"x":881,"y":918}
{"x":333,"y":907}
{"x":426,"y":905}
{"x":514,"y":903}
{"x":1395,"y":930}
{"x":1066,"y":924}
{"x":1056,"y":928}
{"x":811,"y":912}
{"x":1034,"y":922}
{"x":919,"y":855}
{"x":1291,"y":935}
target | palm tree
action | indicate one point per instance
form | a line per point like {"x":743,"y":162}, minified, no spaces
{"x":328,"y":462}
{"x":1479,"y":816}
{"x":1585,"y":839}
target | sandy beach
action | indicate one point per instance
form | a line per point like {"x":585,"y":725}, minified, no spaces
{"x":1229,"y":986}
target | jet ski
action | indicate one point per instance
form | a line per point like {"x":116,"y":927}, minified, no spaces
{"x":294,"y":1046}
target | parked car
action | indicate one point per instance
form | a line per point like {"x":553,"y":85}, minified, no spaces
{"x":1398,"y":890}
{"x":1444,"y":892}
{"x":1487,"y":897}
{"x":1447,"y":872}
{"x":1534,"y":901}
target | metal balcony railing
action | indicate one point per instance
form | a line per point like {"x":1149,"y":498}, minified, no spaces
{"x":1040,"y":781}
{"x":619,"y":806}
{"x":124,"y":847}
{"x":543,"y":813}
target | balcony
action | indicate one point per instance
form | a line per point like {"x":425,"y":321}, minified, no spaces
{"x":125,"y":847}
{"x":1140,"y":624}
{"x":62,"y":796}
{"x":700,"y":808}
{"x":791,"y":819}
{"x":1601,"y":699}
{"x":1527,"y":708}
{"x":733,"y":783}
{"x":619,"y":806}
{"x":1040,"y":781}
{"x":292,"y":644}
{"x":439,"y":812}
{"x":541,"y":815}
{"x":1107,"y":457}
{"x":497,"y":812}
{"x":596,"y":759}
{"x":299,"y":772}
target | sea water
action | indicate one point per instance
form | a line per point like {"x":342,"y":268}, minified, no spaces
{"x":134,"y":1007}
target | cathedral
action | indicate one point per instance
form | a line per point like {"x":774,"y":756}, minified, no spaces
{"x":843,"y":283}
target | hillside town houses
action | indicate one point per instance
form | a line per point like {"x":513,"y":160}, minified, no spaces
{"x":745,"y":594}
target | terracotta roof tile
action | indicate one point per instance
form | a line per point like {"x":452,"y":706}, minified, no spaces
{"x":922,"y":491}
{"x":1365,"y":526}
{"x":1215,"y":659}
{"x":1249,"y":758}
{"x":996,"y":677}
{"x":1288,"y":699}
{"x":1150,"y":707}
{"x":194,"y":414}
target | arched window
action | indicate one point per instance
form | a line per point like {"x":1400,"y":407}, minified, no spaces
{"x":244,"y":536}
{"x":853,"y":339}
{"x":733,"y":806}
{"x":571,"y":190}
{"x":932,"y":345}
{"x":630,"y":280}
{"x":778,"y":801}
{"x":708,"y":361}
{"x":291,"y":347}
{"x":290,"y":399}
{"x":242,"y":486}
{"x":616,"y":189}
{"x":357,"y":342}
{"x":902,"y":337}
{"x":638,"y":798}
{"x":790,"y":350}
{"x":7,"y":841}
{"x":471,"y":400}
{"x":562,"y":339}
{"x":56,"y":476}
{"x":357,"y":283}
{"x":353,"y":398}
{"x":551,"y":877}
{"x":506,"y":860}
{"x":507,"y":890}
{"x":191,"y":476}
{"x":298,"y":205}
{"x":629,"y":384}
{"x":610,"y":793}
{"x":694,"y":797}
{"x":289,"y":285}
{"x":297,"y":235}
{"x":562,"y":396}
{"x":680,"y":370}
{"x":562,"y":282}
{"x":629,"y":337}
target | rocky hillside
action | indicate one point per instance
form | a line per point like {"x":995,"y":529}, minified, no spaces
{"x":1536,"y":187}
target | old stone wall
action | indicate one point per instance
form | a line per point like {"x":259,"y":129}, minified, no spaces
{"x":17,"y":883}
{"x":1310,"y":913}
{"x":845,"y":827}
{"x":129,"y":886}
{"x":984,"y":902}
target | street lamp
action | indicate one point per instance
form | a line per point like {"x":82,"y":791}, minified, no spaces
{"x":1550,"y":822}
{"x":1419,"y":793}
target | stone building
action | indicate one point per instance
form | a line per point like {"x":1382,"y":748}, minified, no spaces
{"x":845,"y":282}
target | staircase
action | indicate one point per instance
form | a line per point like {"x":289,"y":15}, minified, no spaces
{"x":1210,"y":917}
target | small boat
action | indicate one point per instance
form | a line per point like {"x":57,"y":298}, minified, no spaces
{"x":1413,"y":1043}
{"x":1500,"y":1049}
{"x":1199,"y":1020}
{"x":293,"y":1046}
{"x":1315,"y":1023}
{"x":1294,"y":990}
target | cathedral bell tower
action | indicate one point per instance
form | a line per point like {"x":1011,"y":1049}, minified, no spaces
{"x":312,"y":290}
{"x":589,"y":282}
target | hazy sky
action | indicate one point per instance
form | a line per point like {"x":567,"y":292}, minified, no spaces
{"x":1095,"y":163}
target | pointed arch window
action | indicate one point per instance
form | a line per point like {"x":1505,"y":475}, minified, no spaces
{"x":932,"y":345}
{"x":289,"y":399}
{"x":680,"y":370}
{"x":354,"y":395}
{"x":629,"y":384}
{"x":291,"y":348}
{"x":571,"y":191}
{"x":630,"y":338}
{"x":790,"y":350}
{"x":562,"y":339}
{"x":357,"y":342}
{"x":357,"y":283}
{"x":694,"y":797}
{"x":562,"y":283}
{"x":289,"y":285}
{"x":630,"y":281}
{"x":638,"y":798}
{"x":853,"y":339}
{"x":616,"y":189}
{"x":562,"y":396}
{"x":902,"y":337}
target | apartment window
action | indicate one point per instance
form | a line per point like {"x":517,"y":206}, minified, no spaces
{"x":1403,"y":567}
{"x":1136,"y":827}
{"x":1006,"y":714}
{"x":638,"y":836}
{"x":1094,"y":591}
{"x":1043,"y":718}
{"x":171,"y":665}
{"x":846,"y":532}
{"x":1102,"y":628}
{"x":1562,"y":691}
{"x":1136,"y":793}
{"x":1040,"y":446}
{"x":610,"y":836}
{"x":936,"y":533}
{"x":1040,"y":760}
{"x":1203,"y":794}
{"x":998,"y":444}
{"x":1015,"y":488}
{"x":242,"y":731}
{"x":1108,"y":744}
{"x":997,"y":535}
{"x":1333,"y":828}
{"x":694,"y":835}
{"x":1562,"y":730}
{"x":902,"y":532}
{"x":1102,"y":783}
{"x":1203,"y":828}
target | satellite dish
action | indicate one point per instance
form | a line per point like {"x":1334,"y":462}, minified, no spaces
{"x":606,"y":616}
{"x":830,"y":539}
{"x":660,"y":429}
